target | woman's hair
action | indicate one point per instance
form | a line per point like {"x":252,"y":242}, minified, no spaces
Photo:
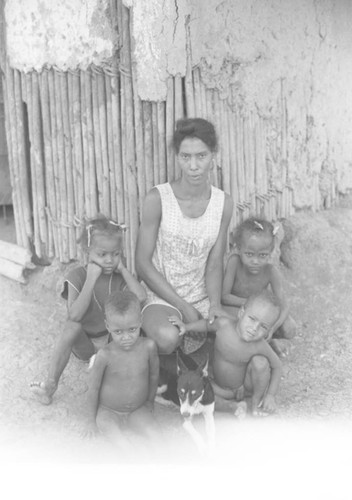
{"x":253,"y":225}
{"x":195,"y":128}
{"x":121,"y":302}
{"x":99,"y":225}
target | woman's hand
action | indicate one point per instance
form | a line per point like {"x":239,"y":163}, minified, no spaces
{"x":218,"y":312}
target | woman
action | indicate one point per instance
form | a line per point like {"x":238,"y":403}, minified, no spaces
{"x":182,"y":239}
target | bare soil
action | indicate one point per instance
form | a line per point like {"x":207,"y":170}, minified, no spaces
{"x":316,"y":385}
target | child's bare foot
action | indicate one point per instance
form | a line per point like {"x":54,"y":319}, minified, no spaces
{"x":44,"y":391}
{"x":241,"y":410}
{"x":258,"y":412}
{"x":282,"y":347}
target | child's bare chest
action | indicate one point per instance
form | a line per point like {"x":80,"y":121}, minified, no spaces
{"x":246,"y":285}
{"x":128,"y":364}
{"x":234,"y":350}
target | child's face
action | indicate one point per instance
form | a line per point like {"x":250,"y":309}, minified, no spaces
{"x":124,"y":328}
{"x":255,"y":320}
{"x":105,"y":251}
{"x":255,"y":251}
{"x":195,"y":160}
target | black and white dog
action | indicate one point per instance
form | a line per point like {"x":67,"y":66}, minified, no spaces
{"x":193,"y":393}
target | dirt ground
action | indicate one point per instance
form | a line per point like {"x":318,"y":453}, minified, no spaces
{"x":316,"y":390}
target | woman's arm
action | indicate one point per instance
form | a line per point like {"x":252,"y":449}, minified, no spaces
{"x":228,"y":298}
{"x":147,"y":236}
{"x":214,"y":269}
{"x":132,"y":283}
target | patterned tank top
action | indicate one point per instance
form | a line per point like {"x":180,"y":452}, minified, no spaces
{"x":183,"y":245}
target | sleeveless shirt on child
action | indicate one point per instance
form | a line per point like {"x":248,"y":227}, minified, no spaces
{"x":182,"y":249}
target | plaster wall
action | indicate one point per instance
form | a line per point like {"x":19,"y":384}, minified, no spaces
{"x":296,"y":52}
{"x":66,"y":33}
{"x":274,"y":53}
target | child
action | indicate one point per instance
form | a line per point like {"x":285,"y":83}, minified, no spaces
{"x":86,"y":289}
{"x":242,"y":357}
{"x":249,"y":272}
{"x":125,"y":373}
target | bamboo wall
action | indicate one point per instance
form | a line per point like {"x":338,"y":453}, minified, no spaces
{"x":82,"y":142}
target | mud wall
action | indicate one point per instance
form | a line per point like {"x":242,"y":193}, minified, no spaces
{"x":67,"y":34}
{"x":273,"y":55}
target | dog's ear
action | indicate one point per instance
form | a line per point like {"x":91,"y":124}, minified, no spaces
{"x":203,"y":368}
{"x":181,"y":367}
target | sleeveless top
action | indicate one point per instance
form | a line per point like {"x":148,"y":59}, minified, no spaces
{"x":183,"y":245}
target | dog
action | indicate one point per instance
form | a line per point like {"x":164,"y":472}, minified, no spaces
{"x":190,"y":389}
{"x":196,"y":397}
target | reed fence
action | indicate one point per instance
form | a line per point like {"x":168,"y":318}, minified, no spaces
{"x":83,"y":142}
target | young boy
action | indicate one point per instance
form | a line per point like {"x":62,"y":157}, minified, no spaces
{"x":242,"y":356}
{"x":125,"y":373}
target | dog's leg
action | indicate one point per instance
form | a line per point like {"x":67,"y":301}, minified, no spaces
{"x":196,"y":437}
{"x":210,"y":424}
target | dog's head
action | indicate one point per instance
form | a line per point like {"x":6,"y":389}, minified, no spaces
{"x":190,"y":387}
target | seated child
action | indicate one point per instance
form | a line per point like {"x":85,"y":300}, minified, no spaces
{"x":124,"y":377}
{"x":242,"y":357}
{"x":249,"y":272}
{"x":86,"y":289}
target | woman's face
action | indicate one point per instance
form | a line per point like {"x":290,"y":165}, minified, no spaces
{"x":195,"y":160}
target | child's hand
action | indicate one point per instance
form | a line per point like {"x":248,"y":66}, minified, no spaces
{"x":121,"y":264}
{"x":91,"y":432}
{"x":93,"y":270}
{"x":176,"y":321}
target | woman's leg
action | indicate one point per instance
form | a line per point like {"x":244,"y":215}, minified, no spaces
{"x":157,"y":326}
{"x":73,"y":337}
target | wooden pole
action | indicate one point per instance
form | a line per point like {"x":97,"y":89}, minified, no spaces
{"x":51,"y":201}
{"x":156,"y":150}
{"x":97,"y":142}
{"x":116,"y":130}
{"x":34,"y":187}
{"x":161,"y":109}
{"x":92,"y":193}
{"x":128,"y":142}
{"x":148,"y":144}
{"x":110,"y":145}
{"x":55,"y":153}
{"x":63,"y":221}
{"x":68,"y":164}
{"x":103,"y":140}
{"x":170,"y":127}
{"x":21,"y":236}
